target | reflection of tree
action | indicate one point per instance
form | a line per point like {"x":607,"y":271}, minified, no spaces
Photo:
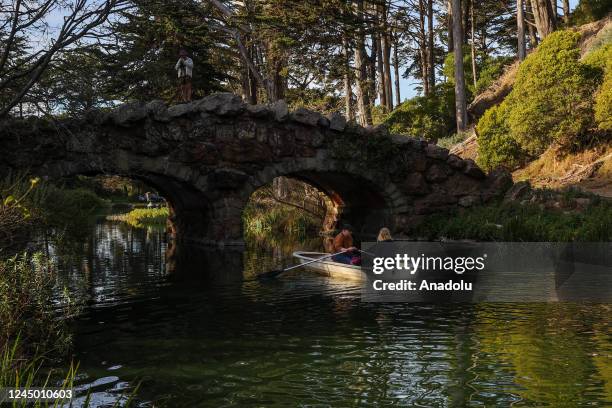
{"x":548,"y":348}
{"x":111,"y":261}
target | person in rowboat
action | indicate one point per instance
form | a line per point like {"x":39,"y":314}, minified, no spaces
{"x":343,"y":242}
{"x":384,"y":235}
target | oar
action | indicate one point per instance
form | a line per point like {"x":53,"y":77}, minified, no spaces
{"x":275,"y":273}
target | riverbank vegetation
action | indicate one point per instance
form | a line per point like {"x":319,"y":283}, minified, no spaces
{"x":525,"y":222}
{"x":143,"y":217}
{"x":287,"y":207}
{"x":34,"y":334}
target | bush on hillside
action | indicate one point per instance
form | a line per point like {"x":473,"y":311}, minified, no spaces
{"x":495,"y":145}
{"x":601,"y":58}
{"x":552,"y":96}
{"x":448,"y":69}
{"x":488,"y":69}
{"x":551,"y":103}
{"x":590,"y":10}
{"x":431,"y":117}
{"x":603,"y":103}
{"x":491,"y":69}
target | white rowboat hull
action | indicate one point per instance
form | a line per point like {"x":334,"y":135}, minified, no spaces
{"x":327,"y":267}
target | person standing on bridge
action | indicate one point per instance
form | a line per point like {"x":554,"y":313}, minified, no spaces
{"x":184,"y":67}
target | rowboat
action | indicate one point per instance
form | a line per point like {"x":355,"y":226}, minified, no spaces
{"x":327,"y":267}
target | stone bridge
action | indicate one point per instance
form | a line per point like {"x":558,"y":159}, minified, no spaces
{"x":207,"y":158}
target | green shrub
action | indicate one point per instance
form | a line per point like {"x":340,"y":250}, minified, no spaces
{"x":496,"y":147}
{"x":603,"y":103}
{"x":431,"y":117}
{"x":590,"y":10}
{"x":488,"y":69}
{"x":491,"y":69}
{"x":527,"y":223}
{"x":27,"y":297}
{"x":552,"y":96}
{"x":378,"y":114}
{"x":601,"y":58}
{"x":551,"y":102}
{"x":64,"y":205}
{"x":456,"y":138}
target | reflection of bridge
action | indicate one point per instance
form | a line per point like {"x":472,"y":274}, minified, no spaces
{"x":207,"y":157}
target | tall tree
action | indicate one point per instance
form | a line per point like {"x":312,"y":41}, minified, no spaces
{"x":449,"y":26}
{"x":430,"y":45}
{"x":423,"y":46}
{"x":396,"y":64}
{"x":544,"y":16}
{"x":566,"y":11}
{"x":387,"y":69}
{"x":152,"y":33}
{"x":364,"y":114}
{"x":529,"y":19}
{"x":520,"y":30}
{"x":347,"y":77}
{"x":29,"y":19}
{"x":473,"y":43}
{"x":460,"y":98}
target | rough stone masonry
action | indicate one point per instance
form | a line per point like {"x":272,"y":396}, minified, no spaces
{"x":207,"y":158}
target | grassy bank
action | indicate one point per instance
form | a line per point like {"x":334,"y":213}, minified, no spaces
{"x":263,"y":221}
{"x":515,"y":222}
{"x":142,"y":217}
{"x":28,"y":203}
{"x":34,"y":331}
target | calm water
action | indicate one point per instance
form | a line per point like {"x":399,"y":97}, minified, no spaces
{"x":184,"y":324}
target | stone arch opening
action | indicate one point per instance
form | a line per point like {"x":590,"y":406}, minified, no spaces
{"x":189,"y":209}
{"x":288,"y":206}
{"x":356,"y":200}
{"x":351,"y":199}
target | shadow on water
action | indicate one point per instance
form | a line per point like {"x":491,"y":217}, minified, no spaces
{"x":186,"y":322}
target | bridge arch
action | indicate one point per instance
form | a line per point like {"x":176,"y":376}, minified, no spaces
{"x":208,"y":156}
{"x":359,"y":198}
{"x":189,"y":207}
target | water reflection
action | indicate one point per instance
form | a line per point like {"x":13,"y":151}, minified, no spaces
{"x":187,"y":323}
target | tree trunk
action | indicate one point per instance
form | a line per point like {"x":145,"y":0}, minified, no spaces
{"x":449,"y":23}
{"x":363,"y":101}
{"x":382,"y":88}
{"x":465,"y":12}
{"x":533,"y":38}
{"x":249,"y":82}
{"x":430,"y":52}
{"x":566,"y":11}
{"x":544,"y":17}
{"x":398,"y":100}
{"x":472,"y":44}
{"x":371,"y":65}
{"x":348,"y":90}
{"x":520,"y":30}
{"x":423,"y":48}
{"x":460,"y":101}
{"x":387,"y":71}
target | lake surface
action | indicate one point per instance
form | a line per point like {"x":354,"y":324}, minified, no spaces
{"x":188,"y":326}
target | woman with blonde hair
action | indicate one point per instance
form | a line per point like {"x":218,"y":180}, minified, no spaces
{"x":384,"y":235}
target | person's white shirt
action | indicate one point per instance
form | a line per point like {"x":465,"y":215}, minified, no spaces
{"x":186,"y":69}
